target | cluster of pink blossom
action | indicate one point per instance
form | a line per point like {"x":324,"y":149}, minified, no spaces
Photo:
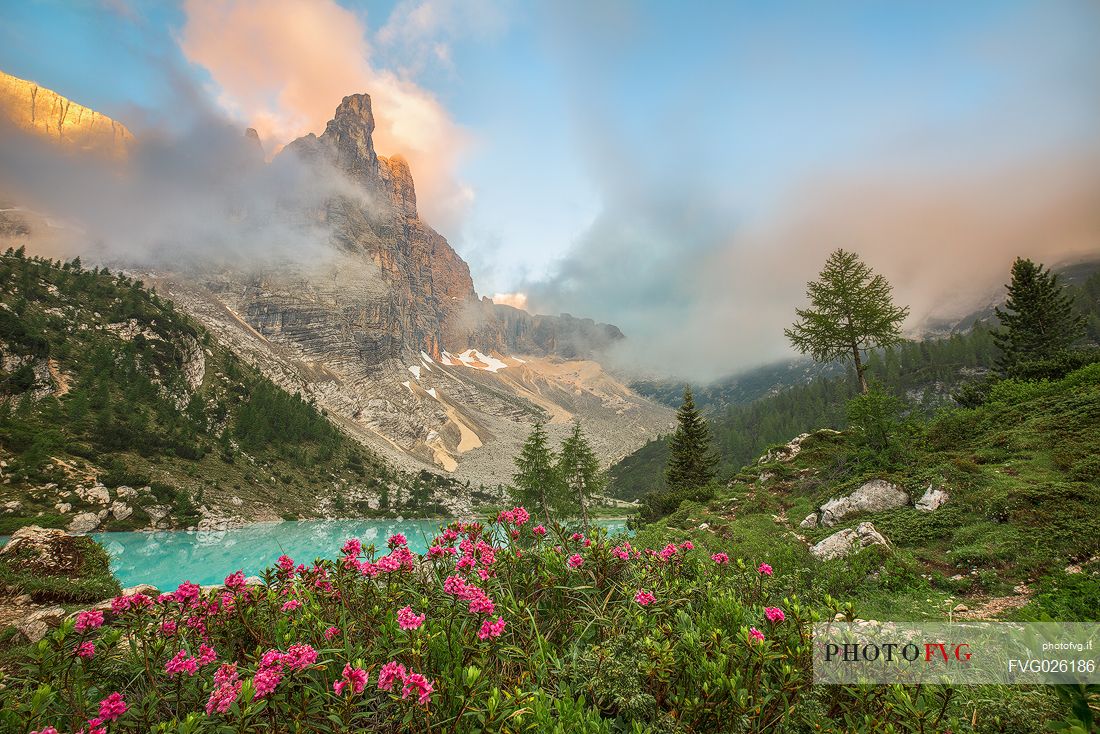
{"x":227,"y":686}
{"x":575,"y":561}
{"x":480,"y":603}
{"x":125,"y":603}
{"x":274,"y":664}
{"x":407,"y":619}
{"x":235,"y":581}
{"x":720,"y":558}
{"x":539,"y":530}
{"x":517,"y":516}
{"x":774,"y":614}
{"x":491,"y":629}
{"x":182,"y":662}
{"x":85,"y":650}
{"x":396,"y":540}
{"x":291,"y":605}
{"x":354,"y":679}
{"x":110,"y":709}
{"x":764,"y":569}
{"x":644,"y":598}
{"x":331,"y":632}
{"x":394,"y":672}
{"x":755,"y":635}
{"x":89,"y":620}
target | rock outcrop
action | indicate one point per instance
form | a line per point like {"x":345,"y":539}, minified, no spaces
{"x":46,"y":551}
{"x":40,"y":111}
{"x":932,"y":499}
{"x":874,"y":496}
{"x":844,"y":542}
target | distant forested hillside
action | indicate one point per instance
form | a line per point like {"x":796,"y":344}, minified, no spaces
{"x":925,"y":373}
{"x":116,"y":405}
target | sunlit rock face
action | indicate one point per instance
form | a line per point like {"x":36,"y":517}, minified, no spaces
{"x":36,"y":109}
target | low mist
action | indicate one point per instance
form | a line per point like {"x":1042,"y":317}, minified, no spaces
{"x":201,"y":198}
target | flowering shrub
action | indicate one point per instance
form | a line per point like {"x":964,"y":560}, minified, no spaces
{"x":500,"y":627}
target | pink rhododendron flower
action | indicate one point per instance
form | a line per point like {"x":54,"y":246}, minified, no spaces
{"x":235,"y":581}
{"x":765,"y":569}
{"x":491,"y":629}
{"x":668,"y":551}
{"x":576,"y":536}
{"x":299,"y":656}
{"x":206,"y":655}
{"x":187,"y":593}
{"x":416,"y":683}
{"x":575,"y":561}
{"x":407,"y":619}
{"x":89,"y":620}
{"x":539,"y":530}
{"x":181,"y":663}
{"x":644,"y":598}
{"x":85,"y":650}
{"x":331,"y":632}
{"x":123,"y":603}
{"x":285,"y":563}
{"x":354,"y":678}
{"x":291,"y":605}
{"x":352,"y":547}
{"x":47,"y":730}
{"x":397,"y":539}
{"x":391,"y":673}
{"x":755,"y":635}
{"x":266,"y":679}
{"x":227,"y":687}
{"x":687,"y":545}
{"x":720,"y":558}
{"x":168,"y":627}
{"x":112,"y":707}
{"x":774,"y":614}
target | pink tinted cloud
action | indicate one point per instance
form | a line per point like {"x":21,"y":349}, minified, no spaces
{"x":282,"y":67}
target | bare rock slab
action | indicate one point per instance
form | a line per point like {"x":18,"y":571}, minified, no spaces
{"x":847,"y":541}
{"x":874,"y":496}
{"x":932,"y":499}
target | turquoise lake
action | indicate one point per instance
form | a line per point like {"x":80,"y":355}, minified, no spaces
{"x":165,"y":559}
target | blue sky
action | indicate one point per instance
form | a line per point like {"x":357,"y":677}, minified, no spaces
{"x":575,"y":136}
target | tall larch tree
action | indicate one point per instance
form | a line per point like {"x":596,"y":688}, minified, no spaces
{"x":851,"y":311}
{"x":579,"y":469}
{"x":1038,"y":319}
{"x":691,"y":460}
{"x":537,"y":484}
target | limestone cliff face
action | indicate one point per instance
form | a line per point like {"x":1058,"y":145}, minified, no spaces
{"x":36,"y":109}
{"x":432,"y":305}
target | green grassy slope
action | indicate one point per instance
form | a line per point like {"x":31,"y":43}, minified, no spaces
{"x":923,"y":373}
{"x":1023,"y":472}
{"x":102,"y":380}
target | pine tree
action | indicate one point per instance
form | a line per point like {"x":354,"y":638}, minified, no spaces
{"x":537,"y":484}
{"x":691,"y":462}
{"x":1039,"y":319}
{"x":579,"y":469}
{"x":851,"y":312}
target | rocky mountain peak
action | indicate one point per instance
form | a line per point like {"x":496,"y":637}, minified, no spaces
{"x":40,"y":111}
{"x":348,"y":139}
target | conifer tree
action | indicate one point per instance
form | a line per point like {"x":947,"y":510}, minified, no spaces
{"x":537,"y":484}
{"x":1038,"y":319}
{"x":851,"y":311}
{"x":691,"y":461}
{"x":579,"y":469}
